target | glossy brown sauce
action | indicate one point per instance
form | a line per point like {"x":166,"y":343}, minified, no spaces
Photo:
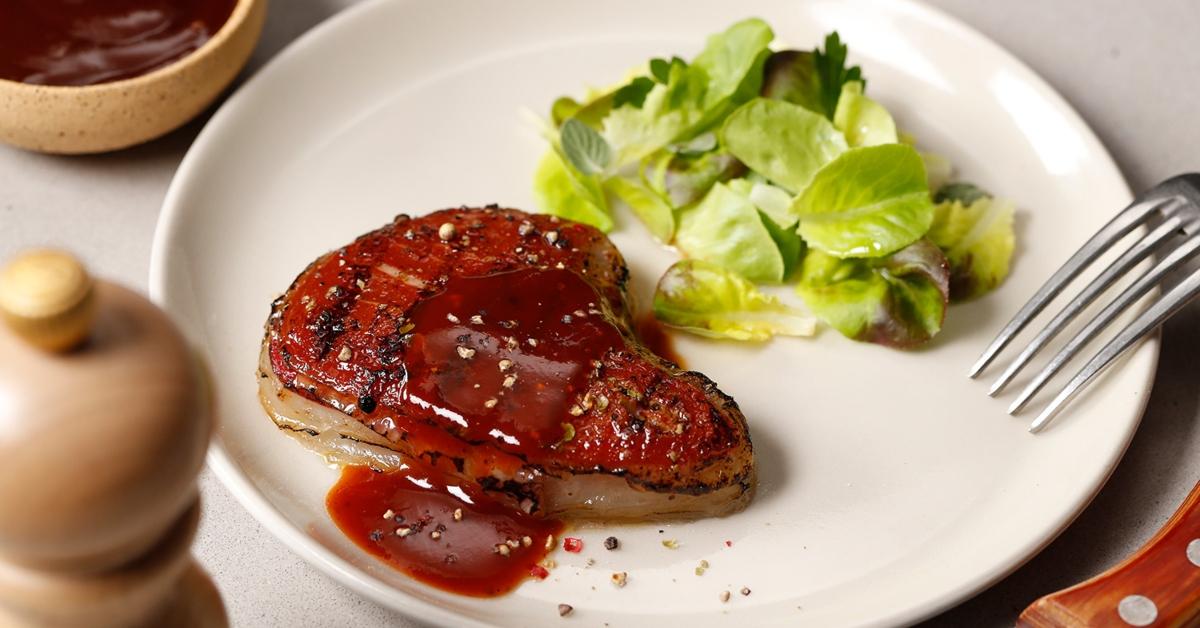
{"x":84,"y":42}
{"x":655,"y":337}
{"x":460,"y":554}
{"x":504,"y":356}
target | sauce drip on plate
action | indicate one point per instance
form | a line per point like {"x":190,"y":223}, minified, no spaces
{"x":84,"y":42}
{"x":443,"y":532}
{"x":504,"y":356}
{"x":657,"y":340}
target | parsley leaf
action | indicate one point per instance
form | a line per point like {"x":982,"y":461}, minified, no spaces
{"x":833,"y":73}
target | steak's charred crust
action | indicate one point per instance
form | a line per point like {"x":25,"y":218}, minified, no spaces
{"x":339,"y":337}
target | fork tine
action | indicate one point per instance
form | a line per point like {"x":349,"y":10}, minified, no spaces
{"x":1124,"y":222}
{"x":1140,"y":287}
{"x":1149,"y":320}
{"x":1128,"y":259}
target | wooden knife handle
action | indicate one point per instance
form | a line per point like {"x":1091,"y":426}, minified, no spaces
{"x":1158,"y":586}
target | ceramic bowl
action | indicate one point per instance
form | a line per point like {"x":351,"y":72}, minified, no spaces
{"x":109,"y":116}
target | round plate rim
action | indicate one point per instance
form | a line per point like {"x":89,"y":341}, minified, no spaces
{"x":242,"y":488}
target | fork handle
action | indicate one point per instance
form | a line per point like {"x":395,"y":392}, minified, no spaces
{"x":1157,"y":586}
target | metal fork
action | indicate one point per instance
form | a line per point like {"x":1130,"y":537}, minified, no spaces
{"x":1176,"y":204}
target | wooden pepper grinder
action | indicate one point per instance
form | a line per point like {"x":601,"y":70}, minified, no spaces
{"x":104,"y":421}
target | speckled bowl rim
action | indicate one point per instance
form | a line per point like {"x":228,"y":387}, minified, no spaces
{"x":241,"y":10}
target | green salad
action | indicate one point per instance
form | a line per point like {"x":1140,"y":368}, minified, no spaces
{"x":771,"y":167}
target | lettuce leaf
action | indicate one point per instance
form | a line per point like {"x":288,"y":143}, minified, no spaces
{"x":653,"y":211}
{"x":666,"y":113}
{"x":965,"y":193}
{"x":599,"y":103}
{"x":938,"y":171}
{"x":684,"y":179}
{"x":693,"y":97}
{"x":562,"y":191}
{"x":784,"y":142}
{"x":791,"y":76}
{"x":812,"y":80}
{"x":791,"y":247}
{"x":863,"y":121}
{"x":564,"y":109}
{"x":868,"y":202}
{"x":733,"y":61}
{"x":763,"y":197}
{"x":977,"y":239}
{"x":899,"y":300}
{"x":728,"y":230}
{"x":708,"y":300}
{"x":774,"y":202}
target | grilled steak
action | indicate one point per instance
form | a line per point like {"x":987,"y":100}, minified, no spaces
{"x":498,"y":346}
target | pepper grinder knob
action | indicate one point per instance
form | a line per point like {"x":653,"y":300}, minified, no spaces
{"x":105,"y":417}
{"x":46,"y":297}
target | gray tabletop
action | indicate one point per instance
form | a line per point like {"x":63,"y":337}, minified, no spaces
{"x":1129,"y":68}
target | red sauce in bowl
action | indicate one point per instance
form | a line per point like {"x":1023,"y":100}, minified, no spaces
{"x":441,"y":531}
{"x":84,"y":42}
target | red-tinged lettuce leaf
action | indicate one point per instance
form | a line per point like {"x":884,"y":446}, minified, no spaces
{"x":812,"y":80}
{"x":791,"y":75}
{"x":976,"y":233}
{"x":899,"y":300}
{"x":685,"y":179}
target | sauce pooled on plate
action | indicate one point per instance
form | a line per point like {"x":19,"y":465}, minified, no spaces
{"x":82,"y":42}
{"x":441,"y":531}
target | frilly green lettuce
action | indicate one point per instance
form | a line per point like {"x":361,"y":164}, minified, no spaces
{"x":666,"y":113}
{"x":653,"y":211}
{"x":562,"y":191}
{"x":759,"y":166}
{"x":977,"y":239}
{"x":693,"y":97}
{"x":708,"y":300}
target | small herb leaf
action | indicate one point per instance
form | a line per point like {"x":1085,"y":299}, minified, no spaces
{"x":633,"y":94}
{"x":831,"y":68}
{"x":584,"y":147}
{"x":660,"y":69}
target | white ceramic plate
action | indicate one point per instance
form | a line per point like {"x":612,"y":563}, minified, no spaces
{"x":891,"y":486}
